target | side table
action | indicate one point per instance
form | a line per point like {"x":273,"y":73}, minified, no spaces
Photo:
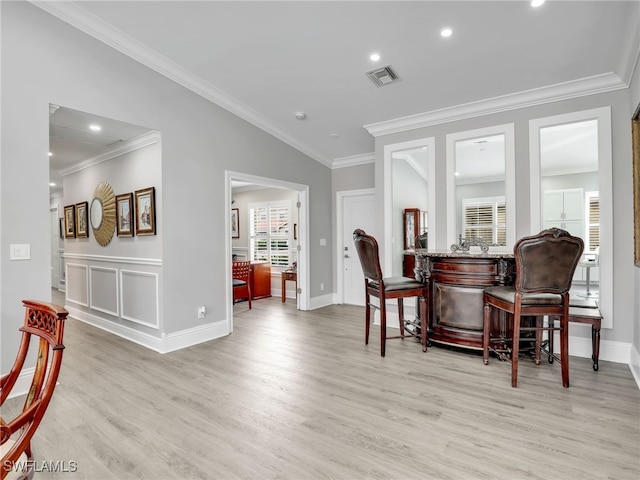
{"x":288,"y":275}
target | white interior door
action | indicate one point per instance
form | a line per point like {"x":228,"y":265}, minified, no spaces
{"x":358,"y":211}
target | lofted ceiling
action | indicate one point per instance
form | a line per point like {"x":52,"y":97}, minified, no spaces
{"x":266,"y":61}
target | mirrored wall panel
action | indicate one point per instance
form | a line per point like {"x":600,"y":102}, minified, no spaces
{"x":408,"y":172}
{"x":570,"y":189}
{"x":480,"y":191}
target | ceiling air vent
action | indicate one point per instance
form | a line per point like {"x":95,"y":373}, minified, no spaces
{"x":383,"y":76}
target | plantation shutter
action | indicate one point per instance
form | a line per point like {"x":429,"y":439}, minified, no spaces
{"x":279,"y":236}
{"x":486,"y":218}
{"x":269,"y":238}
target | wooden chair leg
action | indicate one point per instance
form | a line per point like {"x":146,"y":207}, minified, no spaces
{"x":539,"y":324}
{"x":485,"y":334}
{"x":383,"y":326}
{"x":367,"y":318}
{"x":423,"y":323}
{"x":401,"y":316}
{"x":552,"y":323}
{"x":564,"y":349}
{"x":515,"y":349}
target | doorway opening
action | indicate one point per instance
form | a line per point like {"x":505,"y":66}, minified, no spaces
{"x":246,"y":239}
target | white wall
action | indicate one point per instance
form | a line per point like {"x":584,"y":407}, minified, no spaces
{"x":634,"y":93}
{"x":117,"y":286}
{"x":44,"y":61}
{"x":625,"y":278}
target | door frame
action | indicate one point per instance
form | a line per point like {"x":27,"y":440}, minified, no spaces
{"x":303,"y":233}
{"x":340,"y":196}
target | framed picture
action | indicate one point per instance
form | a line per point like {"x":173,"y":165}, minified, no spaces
{"x":235,"y":223}
{"x":82,"y":219}
{"x":635,"y":136}
{"x":70,"y":221}
{"x":145,"y":211}
{"x":124,"y":215}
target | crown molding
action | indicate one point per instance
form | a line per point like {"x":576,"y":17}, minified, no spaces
{"x":76,"y":16}
{"x":578,"y":88}
{"x":73,"y":14}
{"x":135,"y":143}
{"x":353,"y":160}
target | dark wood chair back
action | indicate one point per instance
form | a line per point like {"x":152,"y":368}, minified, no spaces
{"x":546,"y":262}
{"x":45,"y":322}
{"x":241,"y":271}
{"x":376,"y":285}
{"x":367,"y":248}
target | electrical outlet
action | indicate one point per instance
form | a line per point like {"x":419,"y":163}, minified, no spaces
{"x":322,"y":286}
{"x":202,"y":311}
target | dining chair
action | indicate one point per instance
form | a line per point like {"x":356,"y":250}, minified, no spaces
{"x":241,"y":270}
{"x":383,"y":288}
{"x":545,"y":264}
{"x":44,"y":322}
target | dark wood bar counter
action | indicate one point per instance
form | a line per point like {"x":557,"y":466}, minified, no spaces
{"x":456,"y":284}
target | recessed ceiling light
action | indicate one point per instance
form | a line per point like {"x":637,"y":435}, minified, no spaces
{"x":334,"y":135}
{"x":52,"y":184}
{"x":95,"y":128}
{"x":374,"y":57}
{"x":446,"y":32}
{"x":50,"y":154}
{"x":301,"y":115}
{"x":536,"y":3}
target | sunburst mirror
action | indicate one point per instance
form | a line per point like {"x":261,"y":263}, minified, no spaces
{"x":103,"y":213}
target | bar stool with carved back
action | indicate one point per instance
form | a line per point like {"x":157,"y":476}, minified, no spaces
{"x":545,"y":264}
{"x":386,"y":288}
{"x":44,"y":321}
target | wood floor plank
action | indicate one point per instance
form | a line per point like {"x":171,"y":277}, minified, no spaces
{"x":297,"y":395}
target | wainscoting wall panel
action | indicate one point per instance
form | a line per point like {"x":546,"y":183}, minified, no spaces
{"x":139,"y":292}
{"x":121,"y":295}
{"x":103,"y":288}
{"x":77,"y":284}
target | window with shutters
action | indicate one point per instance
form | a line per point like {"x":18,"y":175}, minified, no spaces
{"x":269,"y":233}
{"x":592,"y":242}
{"x":486,"y":218}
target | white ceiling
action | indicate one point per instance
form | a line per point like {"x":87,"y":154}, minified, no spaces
{"x":265,"y":61}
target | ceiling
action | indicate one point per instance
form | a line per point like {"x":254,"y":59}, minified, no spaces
{"x":266,"y":61}
{"x":72,"y":141}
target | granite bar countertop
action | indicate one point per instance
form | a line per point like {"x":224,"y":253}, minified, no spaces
{"x":423,"y":252}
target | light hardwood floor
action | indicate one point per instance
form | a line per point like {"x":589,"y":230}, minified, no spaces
{"x":297,"y":395}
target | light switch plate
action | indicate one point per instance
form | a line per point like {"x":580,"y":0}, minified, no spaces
{"x":20,"y":251}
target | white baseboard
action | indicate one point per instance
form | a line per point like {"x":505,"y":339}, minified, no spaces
{"x":323,"y":301}
{"x":634,"y":365}
{"x":163,"y":344}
